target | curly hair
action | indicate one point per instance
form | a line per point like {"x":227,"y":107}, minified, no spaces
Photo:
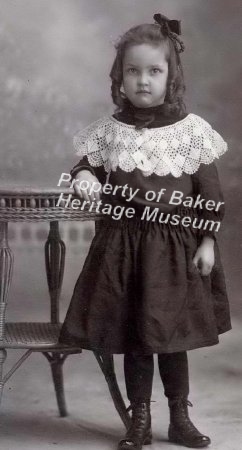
{"x":150,"y":34}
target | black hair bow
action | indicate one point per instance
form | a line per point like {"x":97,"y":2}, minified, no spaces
{"x":173,"y":25}
{"x":171,"y":28}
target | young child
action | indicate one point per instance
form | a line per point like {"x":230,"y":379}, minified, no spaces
{"x":152,"y":281}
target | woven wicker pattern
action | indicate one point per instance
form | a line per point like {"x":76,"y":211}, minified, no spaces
{"x":36,"y":205}
{"x":45,"y":215}
{"x":30,"y":335}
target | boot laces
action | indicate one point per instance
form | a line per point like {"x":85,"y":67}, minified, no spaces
{"x":140,"y":415}
{"x":183,"y":418}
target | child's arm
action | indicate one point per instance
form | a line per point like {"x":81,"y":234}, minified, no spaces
{"x":83,"y":171}
{"x":206,"y":183}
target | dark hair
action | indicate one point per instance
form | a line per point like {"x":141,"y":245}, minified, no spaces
{"x":150,"y":34}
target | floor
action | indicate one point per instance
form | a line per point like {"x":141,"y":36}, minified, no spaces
{"x":29,"y":418}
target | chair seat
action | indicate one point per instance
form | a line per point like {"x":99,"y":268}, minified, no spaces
{"x":33,"y":335}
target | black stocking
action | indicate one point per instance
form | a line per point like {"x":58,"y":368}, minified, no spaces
{"x":173,"y":369}
{"x":138,"y":371}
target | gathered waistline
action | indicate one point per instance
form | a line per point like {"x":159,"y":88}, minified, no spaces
{"x":179,"y":218}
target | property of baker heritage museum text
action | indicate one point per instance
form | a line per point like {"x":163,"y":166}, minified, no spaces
{"x":149,"y":213}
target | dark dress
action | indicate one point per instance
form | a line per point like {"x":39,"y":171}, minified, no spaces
{"x":139,"y":290}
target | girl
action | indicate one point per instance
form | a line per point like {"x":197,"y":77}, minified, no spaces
{"x":151,"y":283}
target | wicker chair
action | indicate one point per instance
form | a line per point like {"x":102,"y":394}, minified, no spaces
{"x":38,"y":205}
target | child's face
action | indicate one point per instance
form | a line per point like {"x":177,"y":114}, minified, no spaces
{"x":145,"y":73}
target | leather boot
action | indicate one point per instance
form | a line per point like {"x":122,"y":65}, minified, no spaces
{"x":181,"y":429}
{"x":139,"y":433}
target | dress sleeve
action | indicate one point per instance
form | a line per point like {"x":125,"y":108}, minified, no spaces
{"x":206,"y":183}
{"x":84,"y":164}
{"x":86,"y":143}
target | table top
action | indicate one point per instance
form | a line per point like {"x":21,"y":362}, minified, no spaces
{"x":12,"y":190}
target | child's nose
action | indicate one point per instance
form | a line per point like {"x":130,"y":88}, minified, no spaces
{"x":143,"y":79}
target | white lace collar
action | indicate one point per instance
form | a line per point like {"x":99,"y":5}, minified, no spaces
{"x":171,"y":149}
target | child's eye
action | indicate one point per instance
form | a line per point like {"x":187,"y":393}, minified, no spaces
{"x":131,"y":70}
{"x":156,"y":70}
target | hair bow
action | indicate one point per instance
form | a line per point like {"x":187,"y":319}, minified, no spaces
{"x":173,"y":25}
{"x":172,"y":28}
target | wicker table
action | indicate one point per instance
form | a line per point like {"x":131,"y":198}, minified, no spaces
{"x":37,"y":205}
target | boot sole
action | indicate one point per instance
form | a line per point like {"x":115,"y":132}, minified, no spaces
{"x":146,"y":441}
{"x":178,"y":440}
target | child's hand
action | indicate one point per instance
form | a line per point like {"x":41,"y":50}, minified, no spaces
{"x":204,"y":257}
{"x":93,"y":191}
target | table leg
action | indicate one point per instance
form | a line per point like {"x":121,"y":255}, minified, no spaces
{"x":55,"y":263}
{"x":106,"y":364}
{"x":56,"y":361}
{"x":6,"y":270}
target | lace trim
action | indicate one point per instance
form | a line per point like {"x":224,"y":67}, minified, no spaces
{"x":172,"y":149}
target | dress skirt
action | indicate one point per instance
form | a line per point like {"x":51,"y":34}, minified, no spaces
{"x":139,"y":291}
